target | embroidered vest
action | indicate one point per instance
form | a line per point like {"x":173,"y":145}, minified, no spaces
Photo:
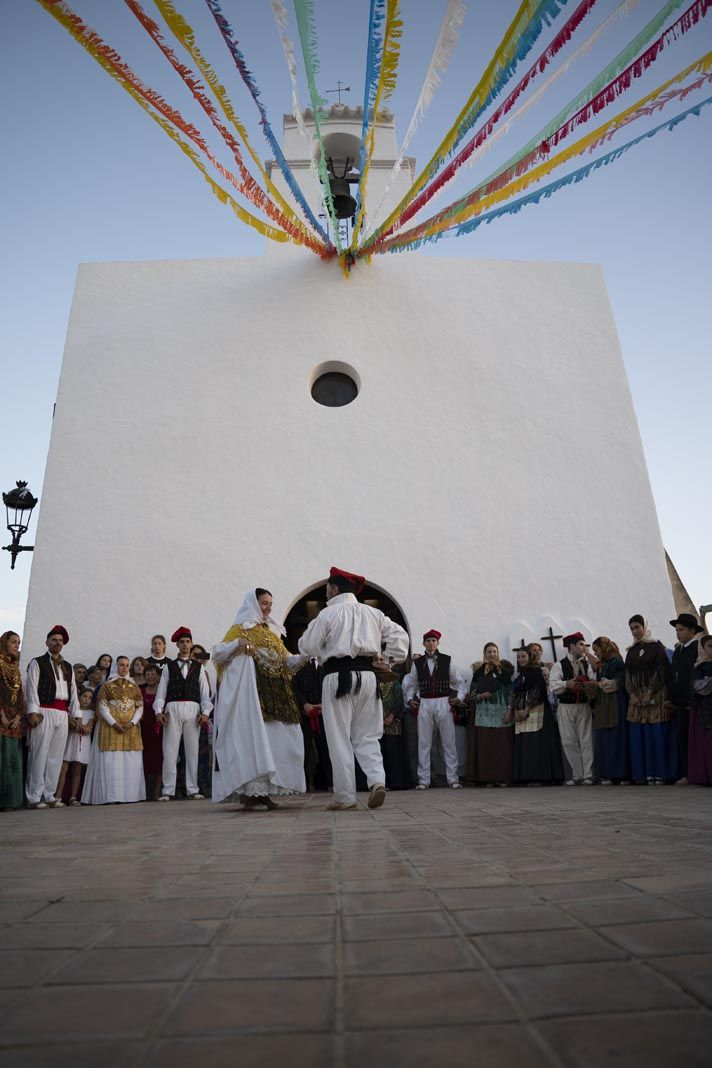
{"x":47,"y":682}
{"x":570,"y":697}
{"x":183,"y":689}
{"x":436,"y":684}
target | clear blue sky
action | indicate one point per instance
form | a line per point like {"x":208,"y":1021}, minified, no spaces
{"x":87,"y":176}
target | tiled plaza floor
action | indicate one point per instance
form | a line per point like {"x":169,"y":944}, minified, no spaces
{"x":524,"y":927}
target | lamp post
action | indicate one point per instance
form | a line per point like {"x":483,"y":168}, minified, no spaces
{"x":19,"y":503}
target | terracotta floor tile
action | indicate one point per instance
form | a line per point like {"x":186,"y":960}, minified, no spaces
{"x":486,"y":1046}
{"x":652,"y":1040}
{"x":253,"y":1005}
{"x":289,"y":961}
{"x":407,"y":956}
{"x":425,"y":1000}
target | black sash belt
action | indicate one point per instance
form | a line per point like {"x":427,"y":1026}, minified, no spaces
{"x":343,"y":666}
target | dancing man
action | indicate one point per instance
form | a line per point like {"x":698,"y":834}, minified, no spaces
{"x":349,"y":638}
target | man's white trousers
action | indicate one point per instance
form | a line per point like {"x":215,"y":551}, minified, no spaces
{"x":46,"y":750}
{"x":576,"y":730}
{"x":435,"y":713}
{"x":353,"y":725}
{"x":182,"y":723}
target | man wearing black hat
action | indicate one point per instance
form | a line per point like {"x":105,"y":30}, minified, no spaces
{"x":684,"y":658}
{"x":348,"y":637}
{"x":51,"y":694}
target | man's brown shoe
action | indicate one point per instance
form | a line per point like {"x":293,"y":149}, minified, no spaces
{"x":340,"y":806}
{"x":377,"y":795}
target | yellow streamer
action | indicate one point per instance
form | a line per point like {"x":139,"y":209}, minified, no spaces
{"x":184,"y":33}
{"x":71,"y":22}
{"x":502,"y":56}
{"x":386,"y":84}
{"x":437,"y":224}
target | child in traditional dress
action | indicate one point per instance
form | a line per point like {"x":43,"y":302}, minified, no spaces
{"x":78,"y":746}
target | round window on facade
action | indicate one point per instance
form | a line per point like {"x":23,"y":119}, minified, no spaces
{"x":334,"y":385}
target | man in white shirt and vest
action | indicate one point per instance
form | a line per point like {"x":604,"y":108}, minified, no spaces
{"x":51,"y":697}
{"x":183,"y":706}
{"x":570,"y":680}
{"x":349,"y":639}
{"x":432,"y":686}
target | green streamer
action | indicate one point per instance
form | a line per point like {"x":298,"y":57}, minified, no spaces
{"x":304,"y":11}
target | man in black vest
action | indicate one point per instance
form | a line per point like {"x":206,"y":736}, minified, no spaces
{"x":686,"y":653}
{"x":568,"y":680}
{"x":51,"y":694}
{"x":183,"y":706}
{"x":432,"y":686}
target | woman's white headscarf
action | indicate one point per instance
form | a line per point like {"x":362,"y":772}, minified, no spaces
{"x":647,"y":635}
{"x":250,"y":614}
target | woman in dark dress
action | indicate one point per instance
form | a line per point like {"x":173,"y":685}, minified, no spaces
{"x":652,"y":735}
{"x":537,"y":749}
{"x":151,"y":735}
{"x":610,"y":713}
{"x":491,"y":748}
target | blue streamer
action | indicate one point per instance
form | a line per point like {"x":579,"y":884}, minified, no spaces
{"x":546,"y":191}
{"x":248,"y":79}
{"x":374,"y":59}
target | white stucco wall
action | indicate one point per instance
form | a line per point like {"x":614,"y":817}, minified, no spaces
{"x":489,"y":474}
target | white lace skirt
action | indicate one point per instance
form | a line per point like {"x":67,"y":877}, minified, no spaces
{"x":286,"y":743}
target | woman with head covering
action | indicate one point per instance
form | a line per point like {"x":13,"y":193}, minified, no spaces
{"x":699,"y":764}
{"x":610,"y":726}
{"x":258,"y":744}
{"x":651,"y":728}
{"x":12,"y":721}
{"x":491,"y":736}
{"x":537,"y":749}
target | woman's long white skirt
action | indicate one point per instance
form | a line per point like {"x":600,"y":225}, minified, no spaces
{"x":284,"y":766}
{"x":114,"y":777}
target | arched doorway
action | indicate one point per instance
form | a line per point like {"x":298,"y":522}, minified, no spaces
{"x":311,"y":602}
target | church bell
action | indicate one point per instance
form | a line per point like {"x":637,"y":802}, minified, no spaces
{"x":340,"y":185}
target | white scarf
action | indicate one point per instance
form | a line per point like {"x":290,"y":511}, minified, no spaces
{"x":250,"y":614}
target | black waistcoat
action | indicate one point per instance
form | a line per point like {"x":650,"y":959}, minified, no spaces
{"x":570,"y":697}
{"x":436,"y":684}
{"x":683,"y":661}
{"x":47,"y":682}
{"x":183,"y":689}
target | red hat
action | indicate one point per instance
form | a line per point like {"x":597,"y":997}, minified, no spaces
{"x":62,"y":631}
{"x":432,"y":634}
{"x":182,"y":632}
{"x":571,"y":639}
{"x":357,"y":581}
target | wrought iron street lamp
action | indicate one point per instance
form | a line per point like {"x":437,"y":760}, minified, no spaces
{"x":19,"y":503}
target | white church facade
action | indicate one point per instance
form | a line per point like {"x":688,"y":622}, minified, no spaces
{"x":487,"y":474}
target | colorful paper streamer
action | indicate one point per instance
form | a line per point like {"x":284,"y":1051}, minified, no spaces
{"x":382,"y":71}
{"x":548,"y":190}
{"x":99,"y":51}
{"x":516,"y":44}
{"x":247,"y":77}
{"x":445,"y":46}
{"x":486,"y":197}
{"x":248,"y":186}
{"x":304,"y":11}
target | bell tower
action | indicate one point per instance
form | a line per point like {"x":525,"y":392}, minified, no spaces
{"x":341,"y":128}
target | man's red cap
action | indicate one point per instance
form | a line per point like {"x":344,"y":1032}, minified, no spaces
{"x":432,"y":634}
{"x":357,"y":581}
{"x":182,"y":632}
{"x":571,"y":639}
{"x":62,"y":631}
